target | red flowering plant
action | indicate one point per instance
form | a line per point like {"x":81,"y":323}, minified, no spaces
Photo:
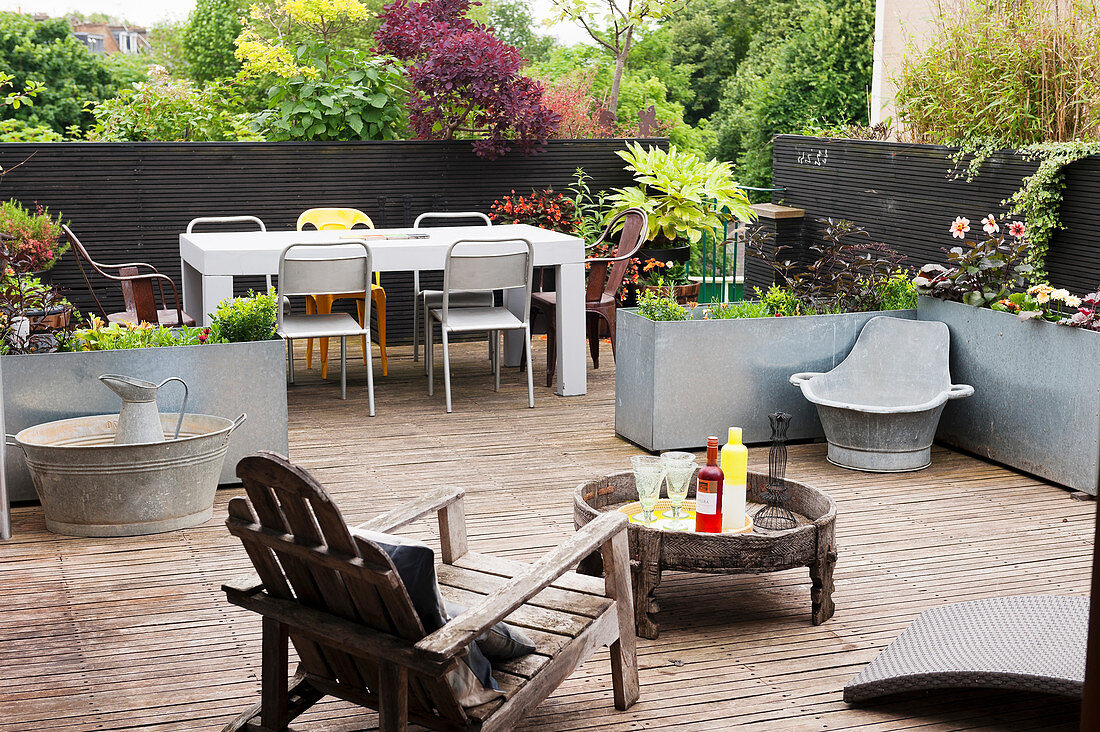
{"x":465,"y":81}
{"x":33,"y":239}
{"x":547,"y":209}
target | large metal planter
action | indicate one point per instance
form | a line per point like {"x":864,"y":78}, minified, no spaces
{"x":1036,"y":403}
{"x":677,"y":382}
{"x":226,"y":380}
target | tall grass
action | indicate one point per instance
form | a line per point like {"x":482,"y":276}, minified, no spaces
{"x":1017,"y":71}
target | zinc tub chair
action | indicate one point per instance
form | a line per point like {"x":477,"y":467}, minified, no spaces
{"x":344,"y":219}
{"x":339,"y":599}
{"x":881,"y":405}
{"x":605,"y":277}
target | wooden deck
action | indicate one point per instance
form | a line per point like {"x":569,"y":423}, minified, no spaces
{"x":114,"y":634}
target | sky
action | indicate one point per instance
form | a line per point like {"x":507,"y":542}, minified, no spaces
{"x":148,"y":12}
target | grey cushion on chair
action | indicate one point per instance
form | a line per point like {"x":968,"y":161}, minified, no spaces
{"x":415,"y":563}
{"x":502,"y":642}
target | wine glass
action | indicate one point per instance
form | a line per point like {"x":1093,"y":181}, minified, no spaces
{"x":678,"y":468}
{"x":648,"y":474}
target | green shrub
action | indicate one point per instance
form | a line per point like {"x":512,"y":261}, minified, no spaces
{"x":780,"y":301}
{"x":170,"y":110}
{"x":659,"y":307}
{"x":731,"y":310}
{"x":895,"y":292}
{"x":1010,"y":72}
{"x":208,"y":42}
{"x":122,"y":336}
{"x":249,"y":318}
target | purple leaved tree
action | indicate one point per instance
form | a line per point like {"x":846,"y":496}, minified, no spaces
{"x":465,"y":81}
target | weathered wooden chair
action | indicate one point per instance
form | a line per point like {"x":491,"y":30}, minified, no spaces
{"x":340,"y":601}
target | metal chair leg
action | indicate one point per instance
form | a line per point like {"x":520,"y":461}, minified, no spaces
{"x":495,"y":360}
{"x":429,"y":354}
{"x":343,"y":367}
{"x":446,"y":369}
{"x":290,"y":357}
{"x":416,"y":315}
{"x":370,"y":378}
{"x":530,"y":378}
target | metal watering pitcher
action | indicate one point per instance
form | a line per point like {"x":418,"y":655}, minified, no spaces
{"x":139,"y":419}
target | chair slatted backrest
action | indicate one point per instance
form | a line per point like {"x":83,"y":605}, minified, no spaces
{"x":488,"y":264}
{"x":302,"y":550}
{"x":333,"y":219}
{"x":605,"y":278}
{"x":337,"y":266}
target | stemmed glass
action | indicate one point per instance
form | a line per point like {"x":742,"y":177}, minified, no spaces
{"x":678,"y":469}
{"x":648,"y":474}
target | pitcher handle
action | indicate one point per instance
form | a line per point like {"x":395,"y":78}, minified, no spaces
{"x":183,"y":407}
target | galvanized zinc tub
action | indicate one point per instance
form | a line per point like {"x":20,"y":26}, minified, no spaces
{"x":90,"y":487}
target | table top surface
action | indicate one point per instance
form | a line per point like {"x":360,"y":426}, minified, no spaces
{"x":257,"y":252}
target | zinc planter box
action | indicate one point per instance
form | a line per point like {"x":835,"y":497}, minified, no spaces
{"x":677,"y":382}
{"x":1036,"y":403}
{"x":225,"y":380}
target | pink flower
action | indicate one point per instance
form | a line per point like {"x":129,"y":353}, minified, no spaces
{"x":960,"y":226}
{"x":1016,"y":228}
{"x":989,"y":224}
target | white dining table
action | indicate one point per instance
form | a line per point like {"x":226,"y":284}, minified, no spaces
{"x":210,"y":261}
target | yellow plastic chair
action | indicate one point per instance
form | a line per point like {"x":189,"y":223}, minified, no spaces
{"x":342,"y":219}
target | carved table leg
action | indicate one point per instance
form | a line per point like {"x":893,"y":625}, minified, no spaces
{"x":645,"y":569}
{"x":821,"y":589}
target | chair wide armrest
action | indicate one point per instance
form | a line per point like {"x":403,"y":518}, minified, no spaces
{"x":460,"y":632}
{"x":404,"y":515}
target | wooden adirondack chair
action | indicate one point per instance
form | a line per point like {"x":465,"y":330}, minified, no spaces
{"x":339,"y":600}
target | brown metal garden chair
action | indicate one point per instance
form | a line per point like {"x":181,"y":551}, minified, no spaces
{"x":338,"y":597}
{"x":138,"y":296}
{"x":605,"y":277}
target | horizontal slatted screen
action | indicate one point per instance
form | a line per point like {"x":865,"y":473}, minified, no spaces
{"x":130,"y":201}
{"x":904,"y":195}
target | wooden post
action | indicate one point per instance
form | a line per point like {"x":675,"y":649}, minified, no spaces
{"x":393,"y":698}
{"x":273,"y":676}
{"x":452,"y":531}
{"x":1090,"y":708}
{"x":624,"y":652}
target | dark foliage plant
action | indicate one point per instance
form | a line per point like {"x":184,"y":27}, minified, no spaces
{"x":25,"y":304}
{"x":847,"y":271}
{"x":465,"y":81}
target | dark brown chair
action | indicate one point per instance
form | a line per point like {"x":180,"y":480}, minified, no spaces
{"x":137,"y":290}
{"x":605,"y":277}
{"x":338,"y":597}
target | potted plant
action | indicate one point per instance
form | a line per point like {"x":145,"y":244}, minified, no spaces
{"x":683,"y":373}
{"x":684,"y":197}
{"x":33,"y":239}
{"x":670,"y":278}
{"x":1021,"y":407}
{"x":236,"y":365}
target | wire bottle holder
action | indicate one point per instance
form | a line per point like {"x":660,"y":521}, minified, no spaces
{"x":775,"y":515}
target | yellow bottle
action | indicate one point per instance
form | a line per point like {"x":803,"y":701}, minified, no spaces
{"x":735,"y":468}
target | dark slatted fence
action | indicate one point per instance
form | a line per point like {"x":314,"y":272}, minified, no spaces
{"x":904,"y":195}
{"x":130,"y":201}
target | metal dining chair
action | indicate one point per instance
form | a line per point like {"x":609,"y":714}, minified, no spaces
{"x":136,"y":280}
{"x":344,"y":219}
{"x":427,"y":299}
{"x":605,"y":277}
{"x":482,"y":265}
{"x":342,"y":271}
{"x":230,"y":220}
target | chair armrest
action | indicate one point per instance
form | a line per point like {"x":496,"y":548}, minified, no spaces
{"x":405,"y":515}
{"x":244,"y":586}
{"x":456,"y":635}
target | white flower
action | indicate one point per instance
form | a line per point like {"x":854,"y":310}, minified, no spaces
{"x":1073,"y":301}
{"x":989,"y":224}
{"x":1059,"y":295}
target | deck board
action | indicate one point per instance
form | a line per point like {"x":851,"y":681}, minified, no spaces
{"x":122,"y":634}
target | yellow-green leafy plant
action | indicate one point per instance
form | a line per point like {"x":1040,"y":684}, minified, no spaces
{"x":684,"y":196}
{"x":319,"y":86}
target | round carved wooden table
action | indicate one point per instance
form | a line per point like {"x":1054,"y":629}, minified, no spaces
{"x":652,"y":550}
